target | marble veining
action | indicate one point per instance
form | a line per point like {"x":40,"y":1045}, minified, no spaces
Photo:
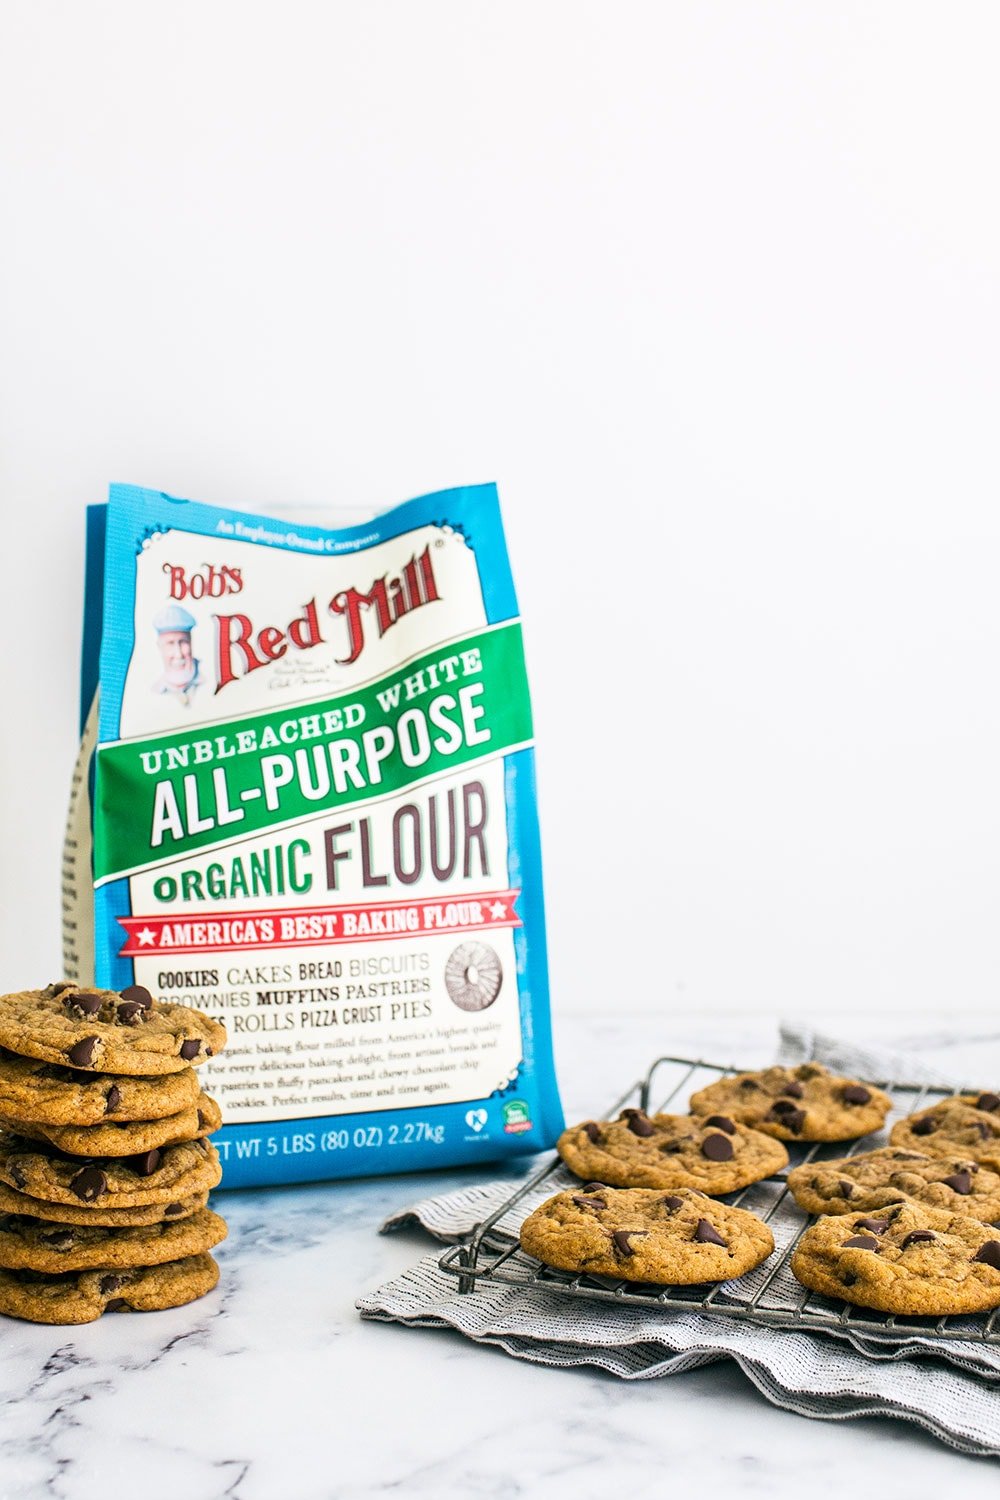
{"x":272,"y":1388}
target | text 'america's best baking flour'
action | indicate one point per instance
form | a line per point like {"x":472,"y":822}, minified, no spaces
{"x":305,"y":803}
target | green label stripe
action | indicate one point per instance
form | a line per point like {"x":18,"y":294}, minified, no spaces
{"x":170,"y":795}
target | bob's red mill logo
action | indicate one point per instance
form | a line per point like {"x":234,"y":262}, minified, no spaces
{"x":242,"y":648}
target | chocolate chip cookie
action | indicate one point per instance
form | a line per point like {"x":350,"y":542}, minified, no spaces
{"x":107,"y":1031}
{"x":804,"y":1103}
{"x":132,"y":1182}
{"x":713,"y":1154}
{"x":82,"y":1296}
{"x":47,"y":1094}
{"x":13,"y":1202}
{"x":874,"y":1179}
{"x":949,"y":1128}
{"x":906,"y":1259}
{"x":642,"y":1234}
{"x":36,"y":1245}
{"x":128,"y":1138}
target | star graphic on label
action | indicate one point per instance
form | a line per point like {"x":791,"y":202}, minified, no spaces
{"x":146,"y":937}
{"x":498,"y":910}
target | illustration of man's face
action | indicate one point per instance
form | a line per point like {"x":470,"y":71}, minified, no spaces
{"x":178,"y":659}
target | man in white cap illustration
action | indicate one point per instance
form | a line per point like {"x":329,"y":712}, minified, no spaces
{"x":181,"y":668}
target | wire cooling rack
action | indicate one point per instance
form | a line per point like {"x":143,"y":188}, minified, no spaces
{"x":768,"y":1296}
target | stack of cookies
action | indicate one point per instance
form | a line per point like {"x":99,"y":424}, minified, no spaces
{"x":105,"y":1165}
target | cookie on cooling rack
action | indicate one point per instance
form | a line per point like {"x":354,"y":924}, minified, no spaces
{"x":950,"y":1127}
{"x":908,"y":1259}
{"x":875,"y":1179}
{"x":804,"y":1103}
{"x":713,"y":1155}
{"x":642,"y":1234}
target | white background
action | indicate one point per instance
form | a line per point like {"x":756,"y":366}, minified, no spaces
{"x":710,"y":289}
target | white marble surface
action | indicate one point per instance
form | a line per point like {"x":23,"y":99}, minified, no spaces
{"x":272,"y":1388}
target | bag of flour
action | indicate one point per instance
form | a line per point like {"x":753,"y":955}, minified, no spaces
{"x":305,"y":803}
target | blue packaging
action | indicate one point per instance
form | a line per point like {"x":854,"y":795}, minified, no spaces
{"x":305,"y":804}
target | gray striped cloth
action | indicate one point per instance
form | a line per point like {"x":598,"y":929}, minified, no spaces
{"x":951,"y":1389}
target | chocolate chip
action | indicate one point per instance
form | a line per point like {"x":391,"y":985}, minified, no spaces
{"x":707,"y":1234}
{"x":60,"y":1239}
{"x":673,"y":1203}
{"x":594,"y":1187}
{"x":85,"y":1004}
{"x":137,"y":994}
{"x":986,"y":1132}
{"x":877,"y":1226}
{"x":637,"y":1122}
{"x":916,"y":1236}
{"x":988,"y":1101}
{"x":926,"y":1126}
{"x":88,"y":1184}
{"x":202,"y":1121}
{"x":860,"y":1242}
{"x":592,"y":1132}
{"x":172,"y":1210}
{"x":855,"y":1094}
{"x":621,"y":1238}
{"x":145,"y":1163}
{"x":989,"y":1254}
{"x":17,"y":1173}
{"x":783,"y":1107}
{"x":961,"y":1182}
{"x":56,"y":988}
{"x":109,"y":1284}
{"x":722,"y":1122}
{"x":594,"y":1202}
{"x":717,"y":1148}
{"x":117,"y":1304}
{"x":130,"y":1013}
{"x":112,"y":1099}
{"x":190,"y":1049}
{"x":793,"y":1119}
{"x":749,"y":1083}
{"x":82,"y":1054}
{"x":793,"y":1090}
{"x":846,"y":1189}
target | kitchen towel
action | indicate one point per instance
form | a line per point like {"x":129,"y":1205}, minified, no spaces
{"x":951,"y":1389}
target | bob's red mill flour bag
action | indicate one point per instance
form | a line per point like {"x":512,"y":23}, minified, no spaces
{"x":305,"y":804}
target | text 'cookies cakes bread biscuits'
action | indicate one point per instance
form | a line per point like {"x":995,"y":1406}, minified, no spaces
{"x":645,"y":1235}
{"x":104,"y":1175}
{"x":907,"y":1259}
{"x":714,"y":1155}
{"x":107,"y":1031}
{"x":803,"y":1103}
{"x":874,"y":1179}
{"x":952,"y":1127}
{"x":82,"y":1296}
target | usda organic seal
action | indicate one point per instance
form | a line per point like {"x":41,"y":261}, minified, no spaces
{"x":473,"y":976}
